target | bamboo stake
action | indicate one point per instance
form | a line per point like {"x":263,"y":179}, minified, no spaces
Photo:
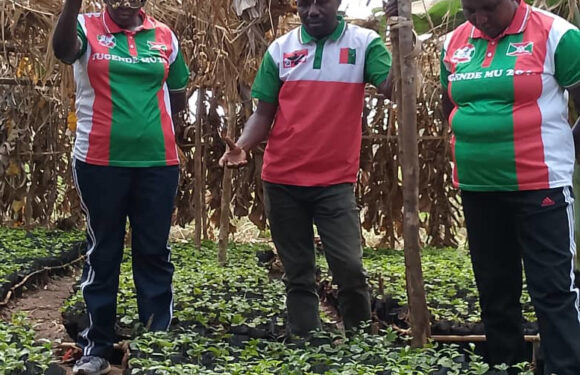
{"x":409,"y":153}
{"x":475,"y":338}
{"x":205,"y":157}
{"x":455,"y":338}
{"x":226,"y":194}
{"x":199,"y":181}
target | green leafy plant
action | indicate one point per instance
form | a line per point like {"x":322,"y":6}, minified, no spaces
{"x":24,"y":251}
{"x":229,"y":320}
{"x":19,"y":352}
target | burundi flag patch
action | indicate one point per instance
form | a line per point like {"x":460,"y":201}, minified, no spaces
{"x":347,"y":56}
{"x":520,"y":49}
{"x":156,"y":46}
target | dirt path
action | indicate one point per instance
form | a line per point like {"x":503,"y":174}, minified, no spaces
{"x":43,"y":306}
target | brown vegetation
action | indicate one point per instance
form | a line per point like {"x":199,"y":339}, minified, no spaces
{"x":224,"y":51}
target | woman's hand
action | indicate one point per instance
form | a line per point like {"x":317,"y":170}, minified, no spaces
{"x":65,"y":43}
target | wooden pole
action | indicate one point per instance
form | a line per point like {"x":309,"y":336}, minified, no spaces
{"x":226,"y":194}
{"x":205,"y":158}
{"x":475,"y":338}
{"x":199,"y":180}
{"x":409,"y":153}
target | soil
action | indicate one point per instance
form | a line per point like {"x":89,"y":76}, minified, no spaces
{"x":43,"y":306}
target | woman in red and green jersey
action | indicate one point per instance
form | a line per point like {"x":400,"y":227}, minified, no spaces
{"x":130,"y":78}
{"x":507,"y":75}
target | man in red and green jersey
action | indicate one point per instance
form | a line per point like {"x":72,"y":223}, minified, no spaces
{"x":130,"y":78}
{"x":310,"y":88}
{"x":507,"y":75}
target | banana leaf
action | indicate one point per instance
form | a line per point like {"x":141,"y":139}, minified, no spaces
{"x":448,"y":14}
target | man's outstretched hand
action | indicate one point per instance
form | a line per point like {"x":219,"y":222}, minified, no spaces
{"x":234,"y":157}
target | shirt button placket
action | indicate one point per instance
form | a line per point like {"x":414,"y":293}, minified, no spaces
{"x":131,"y":42}
{"x":491,"y":46}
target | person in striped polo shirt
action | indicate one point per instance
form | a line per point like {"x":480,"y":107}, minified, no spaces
{"x":130,"y":78}
{"x":310,"y":90}
{"x":507,"y":75}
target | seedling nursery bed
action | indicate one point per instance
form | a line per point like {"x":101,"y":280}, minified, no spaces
{"x":31,"y":252}
{"x":231,"y":320}
{"x":28,"y":257}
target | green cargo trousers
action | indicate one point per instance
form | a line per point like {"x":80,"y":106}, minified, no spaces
{"x":292,"y":211}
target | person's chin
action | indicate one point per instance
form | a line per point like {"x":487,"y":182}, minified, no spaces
{"x":490,"y":32}
{"x":316,"y":29}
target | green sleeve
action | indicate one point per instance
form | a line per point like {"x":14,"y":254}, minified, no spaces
{"x":444,"y":72}
{"x":377,"y":62}
{"x":178,"y":74}
{"x":82,"y":38}
{"x":567,"y":59}
{"x":267,"y":83}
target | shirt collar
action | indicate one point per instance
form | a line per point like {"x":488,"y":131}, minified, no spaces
{"x":518,"y":25}
{"x":306,"y":38}
{"x":112,"y":27}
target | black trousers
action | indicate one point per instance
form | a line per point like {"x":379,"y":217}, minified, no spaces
{"x":292,"y":211}
{"x":108,"y":196}
{"x":537,"y":225}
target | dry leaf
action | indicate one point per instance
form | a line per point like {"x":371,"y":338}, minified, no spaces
{"x":13,"y":169}
{"x":71,"y":121}
{"x":17,"y":205}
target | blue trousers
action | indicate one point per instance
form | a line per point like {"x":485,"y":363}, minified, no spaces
{"x":110,"y":195}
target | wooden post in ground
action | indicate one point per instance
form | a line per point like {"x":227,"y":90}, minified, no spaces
{"x":204,"y":218}
{"x":409,"y":153}
{"x":226,"y":194}
{"x":198,"y":173}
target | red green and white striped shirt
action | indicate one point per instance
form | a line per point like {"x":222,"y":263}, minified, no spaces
{"x":319,"y":88}
{"x":510,"y":122}
{"x":123,"y":79}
